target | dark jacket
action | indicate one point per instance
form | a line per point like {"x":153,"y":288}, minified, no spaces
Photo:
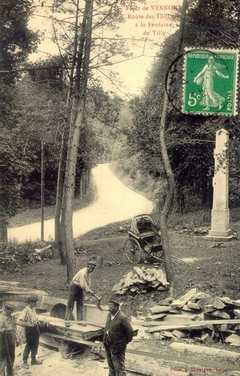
{"x":118,"y":330}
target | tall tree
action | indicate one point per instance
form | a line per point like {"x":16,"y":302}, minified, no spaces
{"x":16,"y":42}
{"x":83,"y":52}
{"x":168,"y":204}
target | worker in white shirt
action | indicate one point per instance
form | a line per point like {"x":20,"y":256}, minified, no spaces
{"x":28,"y":319}
{"x":80,"y":283}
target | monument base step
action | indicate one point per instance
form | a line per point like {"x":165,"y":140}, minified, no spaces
{"x":219,"y":238}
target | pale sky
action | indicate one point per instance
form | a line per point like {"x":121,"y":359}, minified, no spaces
{"x":149,"y":22}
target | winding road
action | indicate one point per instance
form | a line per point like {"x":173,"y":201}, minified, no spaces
{"x":115,"y":202}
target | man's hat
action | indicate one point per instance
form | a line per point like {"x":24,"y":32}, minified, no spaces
{"x":114,"y":302}
{"x":93,"y":264}
{"x":9,"y":306}
{"x":33,"y":298}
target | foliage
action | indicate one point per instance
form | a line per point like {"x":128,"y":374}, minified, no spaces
{"x":50,"y":72}
{"x":12,"y":167}
{"x":40,"y":113}
{"x":16,"y":42}
{"x":13,"y":255}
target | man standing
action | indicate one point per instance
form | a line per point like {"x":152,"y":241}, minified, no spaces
{"x":7,"y":341}
{"x":80,"y":283}
{"x":118,"y":333}
{"x":28,"y":319}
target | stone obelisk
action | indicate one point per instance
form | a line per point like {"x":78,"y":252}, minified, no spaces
{"x":220,"y":211}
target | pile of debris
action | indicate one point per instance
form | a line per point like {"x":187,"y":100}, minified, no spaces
{"x":196,"y":314}
{"x":140,"y":280}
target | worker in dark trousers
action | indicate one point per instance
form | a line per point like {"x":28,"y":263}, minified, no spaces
{"x":7,"y":341}
{"x":80,"y":283}
{"x":28,"y":319}
{"x":118,"y":333}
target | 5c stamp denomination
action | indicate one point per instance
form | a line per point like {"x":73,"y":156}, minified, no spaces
{"x":210,"y":82}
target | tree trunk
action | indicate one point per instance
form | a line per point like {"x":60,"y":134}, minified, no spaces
{"x":59,"y":241}
{"x":77,"y":116}
{"x":169,"y":198}
{"x":170,"y":177}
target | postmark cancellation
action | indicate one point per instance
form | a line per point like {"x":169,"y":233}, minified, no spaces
{"x":210,"y":81}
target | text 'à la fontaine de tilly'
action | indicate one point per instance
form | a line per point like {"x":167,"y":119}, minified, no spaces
{"x":154,"y":20}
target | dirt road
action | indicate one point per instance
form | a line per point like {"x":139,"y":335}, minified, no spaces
{"x":115,"y":202}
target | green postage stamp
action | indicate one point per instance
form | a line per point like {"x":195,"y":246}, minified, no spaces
{"x":210,"y":82}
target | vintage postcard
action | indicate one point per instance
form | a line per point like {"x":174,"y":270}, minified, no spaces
{"x":182,"y":336}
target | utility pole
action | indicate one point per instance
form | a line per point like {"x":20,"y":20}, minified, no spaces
{"x":42,"y":190}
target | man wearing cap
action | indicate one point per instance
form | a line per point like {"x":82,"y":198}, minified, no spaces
{"x":28,"y":319}
{"x":118,"y":333}
{"x":80,"y":283}
{"x":7,"y":340}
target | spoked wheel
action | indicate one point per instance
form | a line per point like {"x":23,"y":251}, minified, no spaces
{"x":133,"y":251}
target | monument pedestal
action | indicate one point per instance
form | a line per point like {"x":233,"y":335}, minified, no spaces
{"x":219,"y":230}
{"x":220,"y":213}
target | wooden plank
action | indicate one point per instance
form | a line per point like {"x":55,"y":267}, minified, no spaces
{"x":144,"y":323}
{"x":83,"y":330}
{"x":72,"y":339}
{"x":193,"y":306}
{"x":180,"y":318}
{"x":220,"y":314}
{"x":229,"y":301}
{"x":159,"y":309}
{"x":39,"y":250}
{"x":56,"y":321}
{"x":156,"y":317}
{"x":179,"y":303}
{"x":191,"y":325}
{"x":9,"y":283}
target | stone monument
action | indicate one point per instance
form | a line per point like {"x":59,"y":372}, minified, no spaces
{"x":220,"y":211}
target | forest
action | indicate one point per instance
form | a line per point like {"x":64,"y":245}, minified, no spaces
{"x":58,"y":122}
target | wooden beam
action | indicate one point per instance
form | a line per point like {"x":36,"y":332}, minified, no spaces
{"x":72,"y":339}
{"x":179,"y":303}
{"x":193,"y":325}
{"x":55,"y":321}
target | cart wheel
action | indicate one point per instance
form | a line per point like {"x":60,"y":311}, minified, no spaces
{"x":133,"y":251}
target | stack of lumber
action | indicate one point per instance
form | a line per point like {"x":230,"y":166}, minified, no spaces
{"x":196,"y":314}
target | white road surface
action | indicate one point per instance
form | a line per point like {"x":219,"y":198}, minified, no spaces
{"x":115,"y":203}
